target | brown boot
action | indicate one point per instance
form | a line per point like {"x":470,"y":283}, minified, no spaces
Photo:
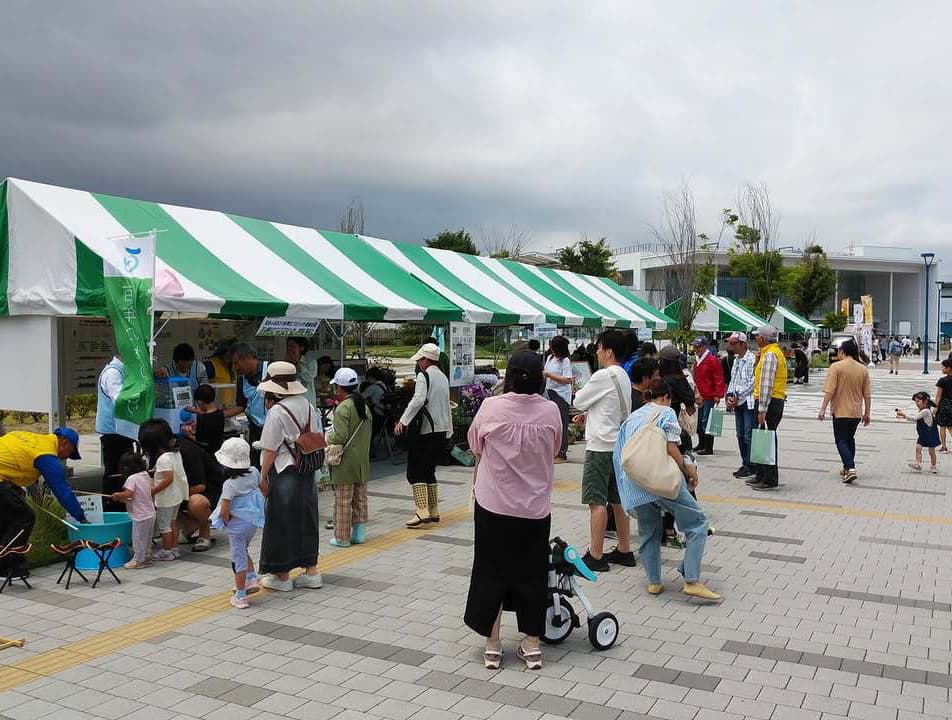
{"x":433,"y":502}
{"x":422,"y":515}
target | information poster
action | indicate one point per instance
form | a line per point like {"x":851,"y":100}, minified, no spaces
{"x":462,"y":353}
{"x":581,"y":374}
{"x":644,"y":334}
{"x":544,"y":332}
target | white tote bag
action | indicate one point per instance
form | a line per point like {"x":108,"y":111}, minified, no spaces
{"x":645,"y":460}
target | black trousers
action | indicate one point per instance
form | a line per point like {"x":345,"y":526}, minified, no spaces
{"x":770,"y":474}
{"x":423,"y":456}
{"x":254,"y":434}
{"x":112,"y":447}
{"x":15,"y":516}
{"x":564,"y":412}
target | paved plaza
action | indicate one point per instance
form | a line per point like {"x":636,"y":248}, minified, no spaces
{"x":838,"y":604}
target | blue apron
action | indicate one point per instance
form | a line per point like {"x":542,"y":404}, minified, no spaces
{"x":255,"y":408}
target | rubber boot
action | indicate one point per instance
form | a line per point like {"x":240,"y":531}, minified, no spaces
{"x":433,"y":502}
{"x":358,"y":533}
{"x":422,"y":516}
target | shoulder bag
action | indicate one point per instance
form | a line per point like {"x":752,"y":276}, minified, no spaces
{"x":414,"y":430}
{"x":335,"y":453}
{"x":645,"y":460}
{"x":308,"y":449}
{"x":621,"y":398}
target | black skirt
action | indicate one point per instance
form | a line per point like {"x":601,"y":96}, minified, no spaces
{"x":290,"y":536}
{"x":510,"y":571}
{"x":943,"y":416}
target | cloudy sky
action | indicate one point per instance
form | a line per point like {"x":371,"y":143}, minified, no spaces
{"x":558,"y":118}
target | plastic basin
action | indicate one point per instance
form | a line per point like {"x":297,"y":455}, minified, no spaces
{"x":114,"y":525}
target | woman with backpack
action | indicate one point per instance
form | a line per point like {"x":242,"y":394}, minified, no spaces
{"x":290,"y":536}
{"x":648,"y":508}
{"x":350,"y":464}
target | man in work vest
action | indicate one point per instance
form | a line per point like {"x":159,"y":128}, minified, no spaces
{"x":112,"y":445}
{"x":770,"y":393}
{"x":24,"y":456}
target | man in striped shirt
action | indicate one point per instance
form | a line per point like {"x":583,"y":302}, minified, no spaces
{"x":740,"y":397}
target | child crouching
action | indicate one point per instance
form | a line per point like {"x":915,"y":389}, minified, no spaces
{"x":240,"y":512}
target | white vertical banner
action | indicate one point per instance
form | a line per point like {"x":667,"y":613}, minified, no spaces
{"x":462,"y":353}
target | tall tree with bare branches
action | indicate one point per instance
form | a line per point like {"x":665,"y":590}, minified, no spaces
{"x":753,"y":255}
{"x":352,"y":219}
{"x":690,"y":254}
{"x":508,"y":243}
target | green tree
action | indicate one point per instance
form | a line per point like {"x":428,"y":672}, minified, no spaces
{"x":588,"y":258}
{"x":834,"y":321}
{"x":811,"y":281}
{"x":455,"y":240}
{"x":765,"y":273}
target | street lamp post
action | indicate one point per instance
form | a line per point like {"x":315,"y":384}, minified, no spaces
{"x":938,"y":317}
{"x":928,"y":258}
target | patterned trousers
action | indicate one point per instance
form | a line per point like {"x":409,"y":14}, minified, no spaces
{"x":350,"y":508}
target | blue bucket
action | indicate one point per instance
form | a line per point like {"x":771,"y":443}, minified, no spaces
{"x":114,"y":525}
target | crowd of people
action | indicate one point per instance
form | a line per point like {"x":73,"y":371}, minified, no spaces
{"x":190,"y":480}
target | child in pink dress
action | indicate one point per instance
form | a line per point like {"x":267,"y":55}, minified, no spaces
{"x":136,"y":493}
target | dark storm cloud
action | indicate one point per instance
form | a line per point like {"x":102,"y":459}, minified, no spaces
{"x":552,"y":116}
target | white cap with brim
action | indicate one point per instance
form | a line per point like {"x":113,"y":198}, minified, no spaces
{"x":428,"y":351}
{"x":345,"y":377}
{"x":767,"y":332}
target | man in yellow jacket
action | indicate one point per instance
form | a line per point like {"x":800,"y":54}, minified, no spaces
{"x":24,"y":456}
{"x":770,"y":394}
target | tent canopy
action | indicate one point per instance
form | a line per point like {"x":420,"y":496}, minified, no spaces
{"x":499,"y":292}
{"x":220,"y":264}
{"x":720,"y":314}
{"x":787,"y":321}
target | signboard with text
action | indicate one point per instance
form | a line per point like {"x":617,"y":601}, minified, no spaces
{"x":462,"y":352}
{"x":291,"y":327}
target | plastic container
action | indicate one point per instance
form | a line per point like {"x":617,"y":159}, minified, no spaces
{"x":114,"y":525}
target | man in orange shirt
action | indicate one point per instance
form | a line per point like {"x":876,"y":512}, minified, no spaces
{"x":848,"y":391}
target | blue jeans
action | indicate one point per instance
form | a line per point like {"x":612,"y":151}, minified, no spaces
{"x":691,"y":520}
{"x":744,"y":420}
{"x":702,"y":415}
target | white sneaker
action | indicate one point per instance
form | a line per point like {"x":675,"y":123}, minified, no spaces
{"x":273,"y":583}
{"x":134,"y":564}
{"x":312,"y":582}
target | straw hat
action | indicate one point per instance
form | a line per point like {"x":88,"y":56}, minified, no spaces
{"x":234,"y":453}
{"x":282,"y":380}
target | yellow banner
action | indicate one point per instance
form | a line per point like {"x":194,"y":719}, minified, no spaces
{"x":845,"y":307}
{"x":867,"y":309}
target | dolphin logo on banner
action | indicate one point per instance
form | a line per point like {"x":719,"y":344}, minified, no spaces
{"x":131,"y":260}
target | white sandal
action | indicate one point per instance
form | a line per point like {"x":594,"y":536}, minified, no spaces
{"x":492,"y":658}
{"x":532,"y":658}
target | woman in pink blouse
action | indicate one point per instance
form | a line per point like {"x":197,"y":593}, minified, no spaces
{"x":515,"y":436}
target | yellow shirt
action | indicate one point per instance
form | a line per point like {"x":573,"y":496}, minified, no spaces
{"x":18,"y":452}
{"x":779,"y":388}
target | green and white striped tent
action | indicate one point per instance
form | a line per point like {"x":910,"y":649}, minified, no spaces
{"x":787,"y":321}
{"x":720,"y":314}
{"x":53,"y":242}
{"x":502,"y":292}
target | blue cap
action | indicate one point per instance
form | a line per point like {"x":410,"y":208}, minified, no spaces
{"x":71,"y":435}
{"x":698,"y":341}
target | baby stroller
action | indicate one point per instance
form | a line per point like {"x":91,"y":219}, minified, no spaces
{"x":560,"y":616}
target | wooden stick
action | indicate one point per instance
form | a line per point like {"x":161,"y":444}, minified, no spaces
{"x":11,"y":542}
{"x":8,"y":642}
{"x":54,"y":515}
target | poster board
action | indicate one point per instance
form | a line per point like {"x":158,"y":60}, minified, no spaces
{"x":544,"y":332}
{"x":92,"y":507}
{"x":645,"y":334}
{"x":462,"y":353}
{"x":28,"y":365}
{"x":581,"y":374}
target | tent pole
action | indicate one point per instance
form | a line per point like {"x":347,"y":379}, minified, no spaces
{"x":342,"y":342}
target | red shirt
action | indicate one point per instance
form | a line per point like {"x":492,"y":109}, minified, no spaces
{"x":709,"y":377}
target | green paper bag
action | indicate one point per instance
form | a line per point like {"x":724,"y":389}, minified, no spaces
{"x":763,"y":447}
{"x":715,"y":422}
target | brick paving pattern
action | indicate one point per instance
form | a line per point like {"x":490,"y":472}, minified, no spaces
{"x":838,"y":605}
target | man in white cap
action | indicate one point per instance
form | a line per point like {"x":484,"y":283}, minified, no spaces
{"x":740,"y":398}
{"x":770,"y":393}
{"x":431,"y":405}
